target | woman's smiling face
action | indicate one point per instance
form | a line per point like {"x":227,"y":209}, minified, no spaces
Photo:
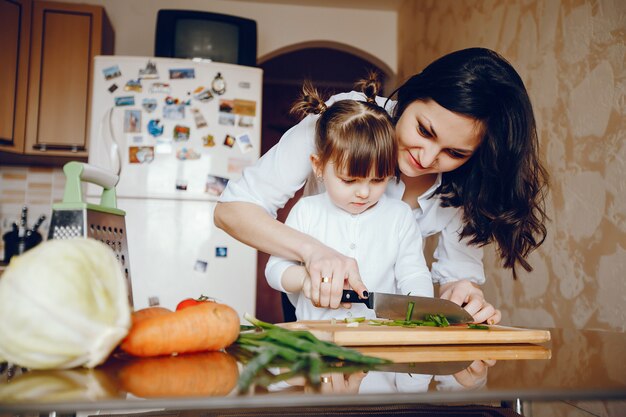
{"x":432,"y":139}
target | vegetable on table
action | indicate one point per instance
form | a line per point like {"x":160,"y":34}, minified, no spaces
{"x":271,"y":345}
{"x":194,"y":374}
{"x":203,"y":327}
{"x":63,"y":304}
{"x":188,"y":302}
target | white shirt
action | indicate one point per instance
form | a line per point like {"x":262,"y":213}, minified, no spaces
{"x":283,"y":170}
{"x":384,"y":240}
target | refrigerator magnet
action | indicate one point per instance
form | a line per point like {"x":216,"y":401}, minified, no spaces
{"x":149,"y":104}
{"x":218,"y":85}
{"x":112,"y":72}
{"x":226,"y":105}
{"x":133,"y":85}
{"x":200,"y":266}
{"x":215,"y":185}
{"x":244,"y":142}
{"x":221,"y":251}
{"x":226,"y":119}
{"x":175,"y":100}
{"x":140,"y":154}
{"x":163,"y":146}
{"x":186,"y":153}
{"x":246,"y":121}
{"x":244,"y":107}
{"x":202,"y":94}
{"x":137,"y":140}
{"x":181,"y":184}
{"x":208,"y":141}
{"x":112,"y":88}
{"x":182,"y":73}
{"x":132,"y":121}
{"x":198,"y":118}
{"x":174,"y":111}
{"x":149,"y":72}
{"x":125,"y":101}
{"x":160,"y":88}
{"x":229,"y":141}
{"x":181,"y":133}
{"x":155,"y":127}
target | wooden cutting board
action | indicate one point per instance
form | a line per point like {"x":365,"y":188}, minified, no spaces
{"x":456,"y":353}
{"x":369,"y":335}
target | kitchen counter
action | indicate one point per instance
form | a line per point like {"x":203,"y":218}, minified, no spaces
{"x":574,"y":365}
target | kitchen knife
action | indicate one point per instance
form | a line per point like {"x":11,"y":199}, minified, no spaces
{"x":393,"y":306}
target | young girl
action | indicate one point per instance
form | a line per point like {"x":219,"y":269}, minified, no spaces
{"x":468,"y":157}
{"x":354,"y":159}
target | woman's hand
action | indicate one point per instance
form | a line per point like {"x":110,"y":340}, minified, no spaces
{"x":330,"y":272}
{"x":339,"y":383}
{"x":469,"y":295}
{"x":475,"y":375}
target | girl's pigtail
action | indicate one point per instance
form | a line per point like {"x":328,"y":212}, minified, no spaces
{"x":370,"y":86}
{"x":309,"y":102}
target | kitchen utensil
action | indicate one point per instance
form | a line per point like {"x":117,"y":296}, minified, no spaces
{"x":104,"y":222}
{"x":393,"y":306}
{"x":366,"y":334}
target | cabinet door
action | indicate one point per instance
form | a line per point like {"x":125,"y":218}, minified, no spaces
{"x":15,"y":36}
{"x":64,"y":39}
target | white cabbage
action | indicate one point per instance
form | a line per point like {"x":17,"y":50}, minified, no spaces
{"x":63,"y":304}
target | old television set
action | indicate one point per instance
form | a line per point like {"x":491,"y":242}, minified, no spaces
{"x":195,"y":34}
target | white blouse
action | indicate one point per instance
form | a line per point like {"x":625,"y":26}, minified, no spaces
{"x":384,"y":240}
{"x":284,"y":169}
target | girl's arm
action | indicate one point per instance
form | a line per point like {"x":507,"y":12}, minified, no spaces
{"x":411,"y":271}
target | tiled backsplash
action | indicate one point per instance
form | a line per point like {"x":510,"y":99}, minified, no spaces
{"x":36,"y":187}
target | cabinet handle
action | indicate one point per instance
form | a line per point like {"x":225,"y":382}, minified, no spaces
{"x":45,"y":147}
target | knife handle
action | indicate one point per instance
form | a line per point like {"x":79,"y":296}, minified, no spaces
{"x":350,"y":296}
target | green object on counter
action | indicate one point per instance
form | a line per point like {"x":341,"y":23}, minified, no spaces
{"x":73,"y":194}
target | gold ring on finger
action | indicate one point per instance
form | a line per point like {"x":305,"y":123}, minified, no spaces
{"x":325,"y":279}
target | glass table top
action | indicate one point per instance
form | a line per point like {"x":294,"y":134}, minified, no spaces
{"x":574,"y":365}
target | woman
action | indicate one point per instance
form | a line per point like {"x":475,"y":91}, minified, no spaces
{"x":468,"y":166}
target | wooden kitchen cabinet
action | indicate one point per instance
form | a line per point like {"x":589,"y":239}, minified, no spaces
{"x":45,"y":75}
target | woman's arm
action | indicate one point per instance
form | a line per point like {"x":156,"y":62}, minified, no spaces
{"x":459,"y":271}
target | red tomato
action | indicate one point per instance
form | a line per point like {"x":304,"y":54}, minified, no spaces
{"x":190,"y":302}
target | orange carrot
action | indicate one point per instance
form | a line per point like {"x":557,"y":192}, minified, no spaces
{"x":206,"y":326}
{"x":194,"y":374}
{"x":148,"y":312}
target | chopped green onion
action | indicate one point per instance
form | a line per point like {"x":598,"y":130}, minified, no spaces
{"x":477,"y":326}
{"x":409,"y":310}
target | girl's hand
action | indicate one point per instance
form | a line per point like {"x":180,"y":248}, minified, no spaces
{"x":469,"y":295}
{"x":336,"y":270}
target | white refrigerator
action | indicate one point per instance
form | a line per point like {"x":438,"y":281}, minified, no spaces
{"x":176,"y":131}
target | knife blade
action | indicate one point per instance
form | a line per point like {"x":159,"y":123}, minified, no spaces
{"x":394,"y":306}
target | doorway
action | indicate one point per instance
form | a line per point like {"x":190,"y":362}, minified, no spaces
{"x":332,"y":69}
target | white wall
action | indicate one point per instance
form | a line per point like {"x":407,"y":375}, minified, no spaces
{"x":278,"y":25}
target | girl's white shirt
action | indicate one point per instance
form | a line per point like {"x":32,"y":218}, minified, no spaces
{"x":285,"y":168}
{"x":384,"y":240}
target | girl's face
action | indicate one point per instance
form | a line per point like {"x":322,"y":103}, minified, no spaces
{"x":432,"y":139}
{"x":354,"y":195}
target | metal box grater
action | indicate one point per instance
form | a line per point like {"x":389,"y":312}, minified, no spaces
{"x":104,"y":222}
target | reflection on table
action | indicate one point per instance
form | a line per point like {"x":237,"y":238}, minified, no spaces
{"x":574,"y":365}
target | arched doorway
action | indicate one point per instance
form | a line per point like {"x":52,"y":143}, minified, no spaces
{"x":332,"y":68}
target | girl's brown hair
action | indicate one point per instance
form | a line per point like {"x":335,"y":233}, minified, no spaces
{"x":356,"y":136}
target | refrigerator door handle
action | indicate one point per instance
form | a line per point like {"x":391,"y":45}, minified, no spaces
{"x":108,"y":136}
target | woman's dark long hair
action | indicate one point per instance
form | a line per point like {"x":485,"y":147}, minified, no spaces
{"x":502,"y":187}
